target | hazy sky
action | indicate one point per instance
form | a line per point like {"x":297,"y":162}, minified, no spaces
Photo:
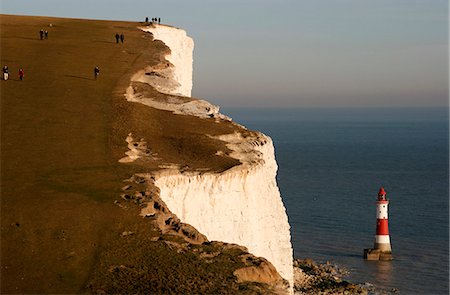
{"x":296,"y":53}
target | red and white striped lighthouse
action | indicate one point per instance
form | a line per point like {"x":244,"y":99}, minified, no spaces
{"x":382,"y":240}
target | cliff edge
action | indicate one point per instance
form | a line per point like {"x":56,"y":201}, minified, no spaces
{"x":241,"y":204}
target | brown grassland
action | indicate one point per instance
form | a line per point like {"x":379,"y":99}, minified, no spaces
{"x":62,"y":134}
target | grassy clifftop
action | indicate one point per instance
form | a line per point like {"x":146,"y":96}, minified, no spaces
{"x":64,"y":226}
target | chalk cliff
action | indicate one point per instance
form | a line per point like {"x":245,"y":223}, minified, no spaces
{"x":182,"y":48}
{"x":241,"y":205}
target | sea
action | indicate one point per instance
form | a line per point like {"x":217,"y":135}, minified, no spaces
{"x":331,"y":164}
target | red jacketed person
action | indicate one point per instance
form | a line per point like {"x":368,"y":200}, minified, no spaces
{"x":21,"y":74}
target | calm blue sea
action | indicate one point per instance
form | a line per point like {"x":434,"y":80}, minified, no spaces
{"x":332,"y":163}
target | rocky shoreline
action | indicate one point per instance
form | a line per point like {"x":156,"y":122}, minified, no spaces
{"x":326,"y":279}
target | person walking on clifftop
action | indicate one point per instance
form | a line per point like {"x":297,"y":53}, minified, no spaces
{"x":96,"y":72}
{"x":21,"y":74}
{"x":122,"y":37}
{"x":117,"y":38}
{"x":5,"y":73}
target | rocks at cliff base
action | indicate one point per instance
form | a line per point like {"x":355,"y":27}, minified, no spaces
{"x":325,"y":279}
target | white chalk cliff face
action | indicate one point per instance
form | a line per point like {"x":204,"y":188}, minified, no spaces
{"x":241,"y":205}
{"x":173,"y":79}
{"x":182,"y":48}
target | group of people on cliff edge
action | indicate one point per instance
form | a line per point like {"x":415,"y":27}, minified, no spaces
{"x":154,"y":20}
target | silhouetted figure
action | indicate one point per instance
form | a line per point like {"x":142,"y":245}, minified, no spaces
{"x":146,"y":19}
{"x":5,"y":73}
{"x":41,"y":34}
{"x":159,"y":20}
{"x":46,"y":34}
{"x":21,"y":74}
{"x":122,"y":37}
{"x":117,"y":38}
{"x":96,"y":72}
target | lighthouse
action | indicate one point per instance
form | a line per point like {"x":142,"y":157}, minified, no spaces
{"x":382,"y":247}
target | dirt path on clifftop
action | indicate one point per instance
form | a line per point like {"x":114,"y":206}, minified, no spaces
{"x":62,"y":133}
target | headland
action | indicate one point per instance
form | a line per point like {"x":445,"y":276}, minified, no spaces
{"x":124,"y":183}
{"x":71,"y":212}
